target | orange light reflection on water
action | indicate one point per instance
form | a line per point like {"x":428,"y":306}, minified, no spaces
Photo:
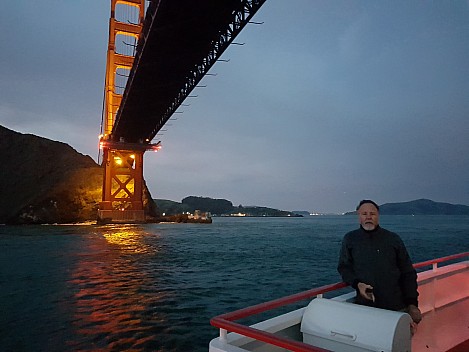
{"x":127,"y":239}
{"x":113,"y":294}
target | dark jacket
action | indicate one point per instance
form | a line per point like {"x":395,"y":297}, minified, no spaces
{"x":379,"y":258}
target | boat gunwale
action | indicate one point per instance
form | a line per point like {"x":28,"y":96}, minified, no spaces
{"x":225,"y":322}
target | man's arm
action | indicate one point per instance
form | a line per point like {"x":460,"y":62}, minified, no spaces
{"x":408,"y":279}
{"x":345,"y":266}
{"x":408,"y":283}
{"x":346,"y":270}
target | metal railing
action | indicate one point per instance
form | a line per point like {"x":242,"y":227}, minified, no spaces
{"x":434,"y":262}
{"x":225,"y":322}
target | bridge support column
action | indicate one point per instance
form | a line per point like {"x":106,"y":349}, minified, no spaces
{"x":122,"y":199}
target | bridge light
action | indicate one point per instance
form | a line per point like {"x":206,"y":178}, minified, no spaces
{"x":118,"y":160}
{"x":132,"y":156}
{"x":157,"y":147}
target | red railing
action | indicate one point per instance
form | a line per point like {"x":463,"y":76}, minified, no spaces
{"x":441,"y":260}
{"x":225,"y":322}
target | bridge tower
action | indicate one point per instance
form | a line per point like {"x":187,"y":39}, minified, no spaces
{"x":122,"y":199}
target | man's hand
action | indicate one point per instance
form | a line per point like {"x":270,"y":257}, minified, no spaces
{"x":414,"y":313}
{"x":366,"y":291}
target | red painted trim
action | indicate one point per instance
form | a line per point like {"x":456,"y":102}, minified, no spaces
{"x":441,"y":260}
{"x":264,"y":336}
{"x":225,"y":321}
{"x":262,"y":307}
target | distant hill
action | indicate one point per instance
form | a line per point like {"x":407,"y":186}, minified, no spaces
{"x":421,"y":207}
{"x":301,"y":212}
{"x":192,"y":203}
{"x":205,"y":204}
{"x":220,"y":207}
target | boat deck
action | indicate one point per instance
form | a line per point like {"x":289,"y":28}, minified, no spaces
{"x":444,"y":302}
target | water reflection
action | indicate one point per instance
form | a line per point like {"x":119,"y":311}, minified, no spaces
{"x":114,"y":293}
{"x":128,"y":238}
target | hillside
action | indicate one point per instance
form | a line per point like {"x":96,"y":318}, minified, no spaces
{"x":219,"y":207}
{"x":44,"y":181}
{"x":421,"y":207}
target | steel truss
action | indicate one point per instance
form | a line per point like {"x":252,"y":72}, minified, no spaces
{"x":241,"y":18}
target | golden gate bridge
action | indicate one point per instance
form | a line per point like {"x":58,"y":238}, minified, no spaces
{"x":157,"y":54}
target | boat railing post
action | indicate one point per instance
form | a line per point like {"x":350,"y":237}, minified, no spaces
{"x":433,"y":288}
{"x":433,"y":294}
{"x":223,"y":336}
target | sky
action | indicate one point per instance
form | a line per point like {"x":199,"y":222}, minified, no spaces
{"x":327,"y":102}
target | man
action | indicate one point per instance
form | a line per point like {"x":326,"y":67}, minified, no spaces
{"x":375,"y":262}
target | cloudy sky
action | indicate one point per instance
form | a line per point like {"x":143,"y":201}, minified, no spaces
{"x":328,"y":101}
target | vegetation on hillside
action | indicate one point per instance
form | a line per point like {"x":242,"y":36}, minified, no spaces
{"x":214,"y":206}
{"x":422,"y":207}
{"x":217,"y":207}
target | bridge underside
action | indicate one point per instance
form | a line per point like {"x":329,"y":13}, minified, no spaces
{"x":180,"y":41}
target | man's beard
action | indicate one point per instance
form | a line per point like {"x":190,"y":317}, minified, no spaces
{"x":368,"y":226}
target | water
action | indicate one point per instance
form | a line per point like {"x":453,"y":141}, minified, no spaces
{"x":155,"y":287}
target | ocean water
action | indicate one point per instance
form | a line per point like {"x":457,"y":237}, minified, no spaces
{"x":155,"y":287}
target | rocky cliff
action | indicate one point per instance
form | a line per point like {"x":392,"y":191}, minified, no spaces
{"x":44,"y":181}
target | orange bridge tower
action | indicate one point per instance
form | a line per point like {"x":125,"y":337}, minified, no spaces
{"x":122,"y":199}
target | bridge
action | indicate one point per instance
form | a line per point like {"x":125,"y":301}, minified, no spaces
{"x":157,"y":54}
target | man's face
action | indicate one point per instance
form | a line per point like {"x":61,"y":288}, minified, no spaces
{"x":368,"y":216}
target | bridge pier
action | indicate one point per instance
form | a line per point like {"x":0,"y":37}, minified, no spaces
{"x":123,"y":184}
{"x":122,"y":199}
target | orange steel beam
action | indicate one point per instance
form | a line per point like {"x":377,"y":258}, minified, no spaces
{"x":122,"y":199}
{"x":116,"y":60}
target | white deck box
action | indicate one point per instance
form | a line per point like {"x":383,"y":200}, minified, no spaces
{"x":342,"y":326}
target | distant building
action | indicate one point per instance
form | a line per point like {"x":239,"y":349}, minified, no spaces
{"x":200,"y":215}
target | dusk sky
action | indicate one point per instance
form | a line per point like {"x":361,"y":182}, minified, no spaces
{"x":328,"y":102}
